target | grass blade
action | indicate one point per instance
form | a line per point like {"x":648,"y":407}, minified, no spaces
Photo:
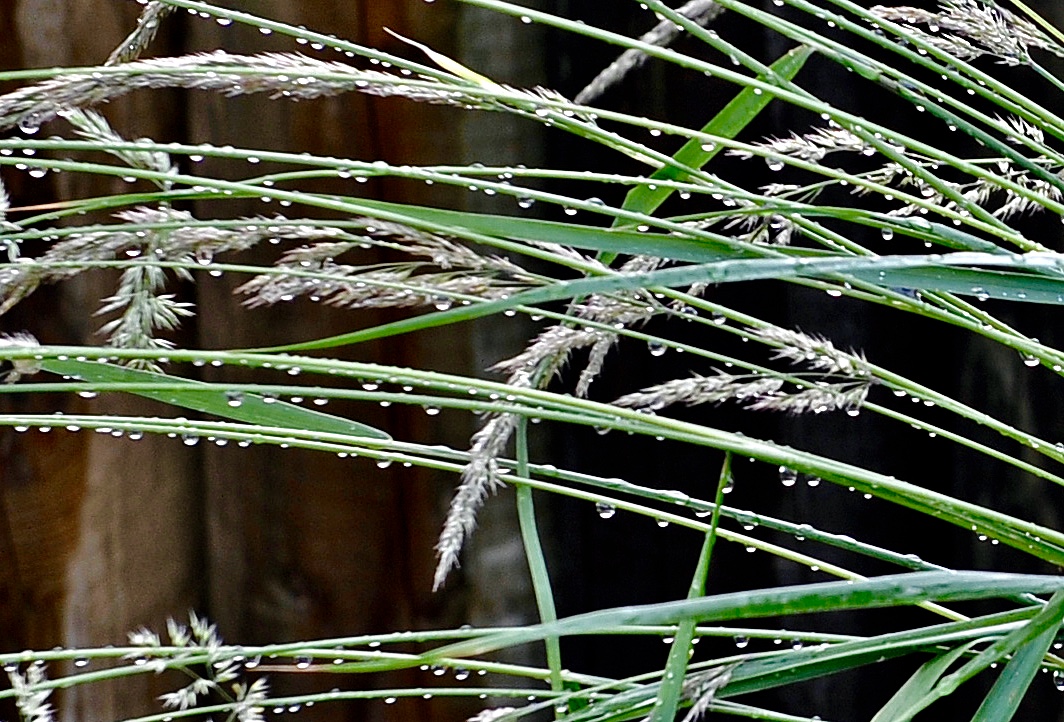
{"x":886,"y":591}
{"x":1005,"y":696}
{"x":252,"y":408}
{"x":919,"y":273}
{"x":735,"y":116}
{"x":682,"y":646}
{"x":922,"y":681}
{"x":1042,"y":629}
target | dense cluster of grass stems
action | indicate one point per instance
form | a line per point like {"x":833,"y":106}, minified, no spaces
{"x":590,"y":280}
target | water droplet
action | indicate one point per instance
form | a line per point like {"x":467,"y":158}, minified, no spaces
{"x":30,"y":123}
{"x":234,"y":399}
{"x":1031,"y":361}
{"x":570,"y":211}
{"x":813,"y":480}
{"x":605,"y":511}
{"x":303,"y":662}
{"x":432,"y":410}
{"x":774,"y":164}
{"x":741,"y":642}
{"x":662,"y":523}
{"x":384,"y":463}
{"x":656,"y":348}
{"x":87,"y":394}
{"x":526,"y":202}
{"x":392,"y":700}
{"x":887,"y":233}
{"x":729,"y":485}
{"x":189,"y":439}
{"x":81,"y":663}
{"x":788,"y":476}
{"x":1058,"y":680}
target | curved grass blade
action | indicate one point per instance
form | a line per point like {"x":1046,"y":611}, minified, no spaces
{"x":591,"y":238}
{"x":773,"y":671}
{"x":735,"y":116}
{"x":676,"y":667}
{"x":1001,"y":703}
{"x":918,"y":273}
{"x":249,"y":408}
{"x":920,"y":683}
{"x":886,"y":591}
{"x":1025,"y":643}
{"x":678,"y":248}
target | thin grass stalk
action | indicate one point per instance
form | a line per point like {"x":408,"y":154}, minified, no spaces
{"x":675,"y":674}
{"x":537,"y":561}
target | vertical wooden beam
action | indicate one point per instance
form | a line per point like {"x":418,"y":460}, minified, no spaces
{"x":301,"y":544}
{"x":99,"y":535}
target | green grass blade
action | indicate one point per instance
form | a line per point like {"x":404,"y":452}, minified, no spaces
{"x":886,"y":591}
{"x":537,"y":560}
{"x":679,"y":248}
{"x":591,"y":238}
{"x":682,"y":646}
{"x":919,"y":684}
{"x":773,"y":671}
{"x":1005,"y":696}
{"x":1042,"y":629}
{"x":252,"y":408}
{"x":921,"y":273}
{"x":728,"y":123}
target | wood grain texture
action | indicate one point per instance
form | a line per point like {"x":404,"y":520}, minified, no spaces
{"x":100,"y":536}
{"x":302,"y":545}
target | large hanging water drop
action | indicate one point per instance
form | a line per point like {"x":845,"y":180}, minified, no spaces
{"x":30,"y":123}
{"x":605,"y":511}
{"x":788,"y":476}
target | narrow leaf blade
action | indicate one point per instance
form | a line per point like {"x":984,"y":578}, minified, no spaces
{"x":735,"y":116}
{"x":253,"y":409}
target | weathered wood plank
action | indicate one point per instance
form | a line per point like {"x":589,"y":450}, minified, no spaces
{"x":100,"y":535}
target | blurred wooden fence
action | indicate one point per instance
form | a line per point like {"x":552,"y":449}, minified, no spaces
{"x":99,"y":536}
